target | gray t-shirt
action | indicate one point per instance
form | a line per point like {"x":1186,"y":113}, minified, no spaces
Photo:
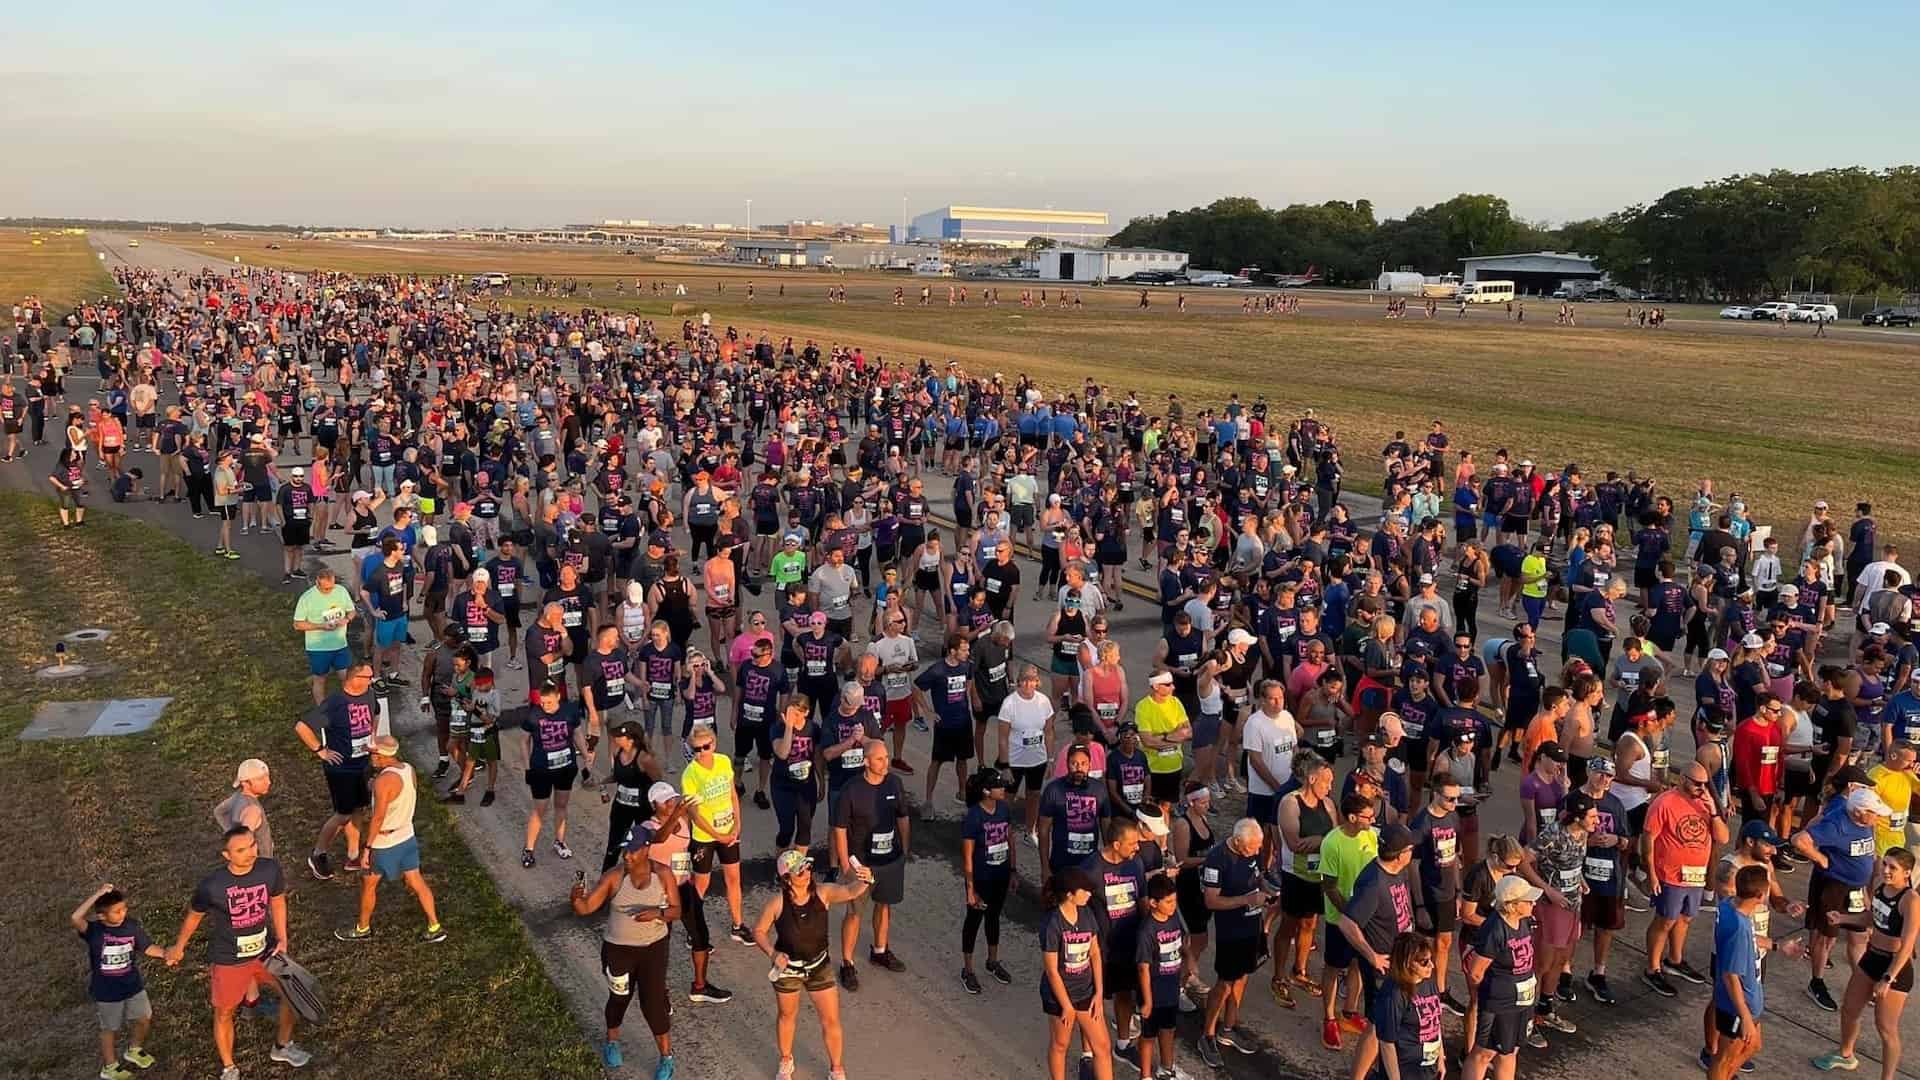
{"x":241,"y":808}
{"x":835,"y":586}
{"x":1633,"y":674}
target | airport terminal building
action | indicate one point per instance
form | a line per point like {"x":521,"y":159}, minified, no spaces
{"x":1009,"y":227}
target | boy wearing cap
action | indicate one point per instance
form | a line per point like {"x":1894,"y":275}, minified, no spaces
{"x":1758,"y":847}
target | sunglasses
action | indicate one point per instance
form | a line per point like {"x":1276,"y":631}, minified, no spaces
{"x":703,"y":748}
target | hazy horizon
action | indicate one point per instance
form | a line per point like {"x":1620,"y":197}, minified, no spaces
{"x":446,"y":116}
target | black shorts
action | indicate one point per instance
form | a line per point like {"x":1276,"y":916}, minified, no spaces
{"x":1801,"y":783}
{"x":705,"y":852}
{"x":1121,"y":974}
{"x":1163,"y":1018}
{"x":229,"y":512}
{"x":1726,"y":1023}
{"x":145,"y":422}
{"x":1603,"y":912}
{"x":296,"y":534}
{"x":1644,"y":577}
{"x":1502,"y":1030}
{"x":1299,"y":897}
{"x":1445,"y":915}
{"x":542,"y":783}
{"x":952,"y":744}
{"x":1164,"y":787}
{"x":1874,"y":963}
{"x":1264,"y":809}
{"x":1827,"y":903}
{"x":756,"y":737}
{"x":1513,"y":523}
{"x":889,"y":882}
{"x":1237,"y":959}
{"x":348,"y":790}
{"x":1032,"y":777}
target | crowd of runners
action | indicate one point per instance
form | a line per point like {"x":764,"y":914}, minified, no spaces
{"x":620,"y":543}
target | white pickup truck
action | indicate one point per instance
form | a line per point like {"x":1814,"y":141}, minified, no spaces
{"x":1774,"y":309}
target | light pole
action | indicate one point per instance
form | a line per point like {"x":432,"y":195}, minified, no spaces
{"x":749,"y":215}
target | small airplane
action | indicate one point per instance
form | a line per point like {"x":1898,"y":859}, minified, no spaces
{"x":1295,"y":281}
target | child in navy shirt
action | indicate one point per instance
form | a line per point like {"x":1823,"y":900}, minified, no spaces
{"x":115,"y":942}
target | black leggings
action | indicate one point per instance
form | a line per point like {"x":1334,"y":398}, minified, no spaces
{"x":793,"y":812}
{"x":200,"y":493}
{"x":1050,"y":572}
{"x":1466,"y":612}
{"x":993,"y":893}
{"x":620,"y":819}
{"x":693,"y":916}
{"x":701,"y":538}
{"x":641,"y":970}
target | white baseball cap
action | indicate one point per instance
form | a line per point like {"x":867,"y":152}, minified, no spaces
{"x":1238,"y":636}
{"x":251,"y":769}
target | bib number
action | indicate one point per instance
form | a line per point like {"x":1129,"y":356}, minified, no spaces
{"x":1599,"y":869}
{"x":1856,"y":901}
{"x":1526,"y":991}
{"x":800,"y":770}
{"x":881,"y":843}
{"x":1693,"y":876}
{"x":997,"y":854}
{"x":561,"y":758}
{"x":248,"y":946}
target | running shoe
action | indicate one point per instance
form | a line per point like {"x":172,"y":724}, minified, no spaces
{"x":526,"y":858}
{"x":434,"y":935}
{"x":900,"y":765}
{"x":920,"y":724}
{"x":286,"y":579}
{"x":610,"y":1054}
{"x":849,"y":978}
{"x":1836,"y":1060}
{"x":886,"y":960}
{"x":1597,"y":986}
{"x":138,"y":1058}
{"x":1685,"y":971}
{"x":561,"y":849}
{"x":1657,"y":982}
{"x":1124,"y":1052}
{"x":358,"y":863}
{"x":664,"y":1070}
{"x":320,"y":865}
{"x":1784,"y":864}
{"x":1817,"y":990}
{"x":785,"y":1071}
{"x":971,"y":981}
{"x":1242,"y":1040}
{"x":999,"y":972}
{"x":1555,"y":1021}
{"x":1210,"y":1052}
{"x":231,"y":1072}
{"x":710,"y":994}
{"x":487,"y":799}
{"x":1330,"y":1034}
{"x":353,"y":933}
{"x":760,"y":800}
{"x":440,"y":769}
{"x":1565,"y":991}
{"x":1534,"y":1038}
{"x":115,"y":1072}
{"x":741,"y":934}
{"x":230,"y":554}
{"x":1353,"y":1023}
{"x":290,"y":1054}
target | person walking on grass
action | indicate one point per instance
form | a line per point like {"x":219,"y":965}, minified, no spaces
{"x":396,"y":850}
{"x":115,"y":942}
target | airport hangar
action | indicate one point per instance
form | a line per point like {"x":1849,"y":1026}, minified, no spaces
{"x":1536,"y":273}
{"x":1009,"y":227}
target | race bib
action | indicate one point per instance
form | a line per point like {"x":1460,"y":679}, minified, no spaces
{"x":1079,"y":843}
{"x":1313,"y":862}
{"x":115,"y":959}
{"x":659,"y":691}
{"x":1897,"y":822}
{"x":1695,"y":876}
{"x":997,"y":854}
{"x":1548,"y":815}
{"x":881,"y":843}
{"x":1660,"y":759}
{"x":561,"y":758}
{"x":571,"y":618}
{"x":247,"y":946}
{"x":618,"y":985}
{"x":682,"y":864}
{"x":1323,"y":736}
{"x":478,"y":734}
{"x":477,"y":634}
{"x":1769,"y":755}
{"x":1033,"y":740}
{"x":1445,"y":850}
{"x":723,"y":821}
{"x":1856,"y":901}
{"x":854,"y":758}
{"x":1599,"y":869}
{"x":626,"y":795}
{"x":1412,"y":727}
{"x":360,"y":746}
{"x":457,"y":719}
{"x":801,"y":769}
{"x":1569,"y":880}
{"x":1861,"y":847}
{"x":1108,"y":710}
{"x":1132,"y":792}
{"x":816,"y":667}
{"x":1430,"y":1054}
{"x":752,"y":713}
{"x":1526,"y":990}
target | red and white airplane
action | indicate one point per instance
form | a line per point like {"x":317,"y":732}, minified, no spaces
{"x":1295,"y":281}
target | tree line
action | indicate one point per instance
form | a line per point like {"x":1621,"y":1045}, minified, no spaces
{"x":1742,"y":237}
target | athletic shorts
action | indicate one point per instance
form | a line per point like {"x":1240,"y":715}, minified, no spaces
{"x":952,"y":744}
{"x":1264,"y":809}
{"x":542,"y":783}
{"x":1445,"y":914}
{"x":1300,"y":898}
{"x":897,"y":713}
{"x":114,"y":1015}
{"x":1502,"y":1030}
{"x":321,"y":663}
{"x":1676,"y":901}
{"x":230,"y":983}
{"x":1031,"y":777}
{"x":1206,"y":730}
{"x":1726,"y":1023}
{"x":392,"y":863}
{"x":1875,"y":963}
{"x":258,"y":493}
{"x":348,"y":791}
{"x":1340,"y":954}
{"x":706,"y":852}
{"x":1603,"y":912}
{"x":1165,"y":786}
{"x":1828,"y":900}
{"x":813,"y":980}
{"x":1554,"y":927}
{"x":1239,"y":958}
{"x":889,"y":882}
{"x":1121,"y":974}
{"x":1022,"y":515}
{"x":1162,"y":1018}
{"x":390,"y":632}
{"x":296,"y":534}
{"x":755,"y":737}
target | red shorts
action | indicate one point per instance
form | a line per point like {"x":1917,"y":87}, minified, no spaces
{"x":231,"y":982}
{"x":898,"y":712}
{"x":1554,"y":927}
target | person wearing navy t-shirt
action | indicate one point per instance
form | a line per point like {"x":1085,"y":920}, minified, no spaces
{"x":115,"y":943}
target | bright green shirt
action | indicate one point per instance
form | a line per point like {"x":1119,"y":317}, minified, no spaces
{"x":1161,"y":720}
{"x":1342,"y":857}
{"x":1531,"y":566}
{"x":314,"y":607}
{"x":788,"y":568}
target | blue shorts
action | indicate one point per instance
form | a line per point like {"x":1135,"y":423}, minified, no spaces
{"x":1677,"y":901}
{"x":393,"y":862}
{"x":1206,"y":730}
{"x":324,"y":662}
{"x":390,"y":632}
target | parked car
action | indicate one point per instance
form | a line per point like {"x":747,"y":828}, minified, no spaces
{"x":1154,"y":277}
{"x":1736,"y":311}
{"x":1773,"y":309}
{"x":1891,"y":316}
{"x":1813,"y":313}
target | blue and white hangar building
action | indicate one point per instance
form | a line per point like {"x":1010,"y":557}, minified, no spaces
{"x":1009,"y":227}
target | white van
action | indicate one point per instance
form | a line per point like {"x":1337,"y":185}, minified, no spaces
{"x":493,"y":279}
{"x":1486,"y":292}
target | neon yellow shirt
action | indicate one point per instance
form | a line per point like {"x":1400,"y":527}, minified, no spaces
{"x":1161,"y":720}
{"x":1532,"y":566}
{"x":712,"y":791}
{"x":1897,"y":790}
{"x":1342,"y":857}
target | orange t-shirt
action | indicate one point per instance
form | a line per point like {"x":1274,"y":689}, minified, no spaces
{"x":1542,"y":729}
{"x":1682,"y":832}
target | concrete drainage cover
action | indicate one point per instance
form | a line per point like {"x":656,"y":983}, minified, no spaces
{"x":92,"y":635}
{"x":94,"y":719}
{"x":64,"y":671}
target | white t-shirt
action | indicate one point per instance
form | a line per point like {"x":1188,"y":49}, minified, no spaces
{"x":1027,"y":721}
{"x":1274,"y":738}
{"x":1092,"y":600}
{"x":898,"y":649}
{"x":1201,"y":614}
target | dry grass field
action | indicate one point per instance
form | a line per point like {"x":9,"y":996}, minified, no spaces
{"x":61,"y":270}
{"x":1768,"y":412}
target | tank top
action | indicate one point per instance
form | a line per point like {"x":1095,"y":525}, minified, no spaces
{"x":1210,"y":702}
{"x":1198,"y":847}
{"x":363,"y":525}
{"x":1314,"y":821}
{"x":1073,"y":627}
{"x":1887,"y":918}
{"x":675,"y":600}
{"x":629,"y":782}
{"x":630,"y":900}
{"x":397,"y":827}
{"x":633,"y":623}
{"x":1632,"y":798}
{"x":1235,"y":676}
{"x":801,"y":931}
{"x":929,"y":560}
{"x":1108,"y":687}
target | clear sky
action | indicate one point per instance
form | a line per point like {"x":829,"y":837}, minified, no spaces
{"x":419,"y":114}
